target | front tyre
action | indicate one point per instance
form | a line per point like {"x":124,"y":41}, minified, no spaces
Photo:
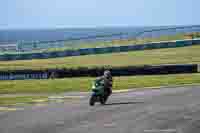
{"x":92,"y":100}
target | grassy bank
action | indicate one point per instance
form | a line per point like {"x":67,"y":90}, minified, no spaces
{"x":120,"y":42}
{"x":148,"y":57}
{"x":84,"y":84}
{"x":77,"y":45}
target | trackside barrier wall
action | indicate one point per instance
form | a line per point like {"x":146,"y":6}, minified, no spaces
{"x":22,"y":76}
{"x":93,"y":72}
{"x":103,"y":50}
{"x":198,"y":69}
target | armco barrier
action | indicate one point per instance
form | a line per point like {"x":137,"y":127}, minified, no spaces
{"x":129,"y":70}
{"x":23,"y":76}
{"x":89,"y":51}
{"x":93,"y":72}
{"x":198,"y":69}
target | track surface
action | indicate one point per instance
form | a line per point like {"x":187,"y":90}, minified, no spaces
{"x":169,"y":110}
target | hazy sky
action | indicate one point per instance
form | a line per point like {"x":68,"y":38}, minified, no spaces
{"x":93,"y":13}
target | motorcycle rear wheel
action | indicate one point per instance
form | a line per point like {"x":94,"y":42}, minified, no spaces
{"x":102,"y":100}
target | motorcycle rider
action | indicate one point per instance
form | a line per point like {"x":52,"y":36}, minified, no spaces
{"x":108,"y":82}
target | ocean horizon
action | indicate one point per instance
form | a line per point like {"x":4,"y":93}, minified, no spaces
{"x":105,"y":33}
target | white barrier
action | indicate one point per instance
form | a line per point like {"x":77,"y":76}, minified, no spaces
{"x":23,"y":76}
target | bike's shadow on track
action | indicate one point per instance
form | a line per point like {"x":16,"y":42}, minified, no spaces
{"x":122,"y":103}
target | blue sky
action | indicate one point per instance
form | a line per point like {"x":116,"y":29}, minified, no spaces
{"x":97,"y":13}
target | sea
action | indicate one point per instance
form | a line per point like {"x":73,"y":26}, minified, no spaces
{"x":10,"y":36}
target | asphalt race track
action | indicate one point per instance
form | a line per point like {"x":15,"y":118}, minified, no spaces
{"x":169,"y":110}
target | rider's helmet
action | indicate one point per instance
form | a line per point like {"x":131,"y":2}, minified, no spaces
{"x":107,"y":74}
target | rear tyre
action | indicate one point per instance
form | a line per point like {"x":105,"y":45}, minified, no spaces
{"x":105,"y":98}
{"x":92,"y":101}
{"x":102,"y":100}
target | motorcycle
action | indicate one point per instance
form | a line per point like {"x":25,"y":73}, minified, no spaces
{"x":98,"y":93}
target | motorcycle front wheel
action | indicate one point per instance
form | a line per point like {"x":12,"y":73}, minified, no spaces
{"x":92,"y":100}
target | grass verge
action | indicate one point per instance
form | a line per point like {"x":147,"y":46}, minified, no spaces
{"x":147,"y":57}
{"x":77,"y":45}
{"x":74,"y":46}
{"x":84,"y":84}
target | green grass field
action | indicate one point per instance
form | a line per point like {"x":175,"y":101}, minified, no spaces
{"x":119,"y":42}
{"x":77,"y":45}
{"x":84,"y":84}
{"x":187,"y":55}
